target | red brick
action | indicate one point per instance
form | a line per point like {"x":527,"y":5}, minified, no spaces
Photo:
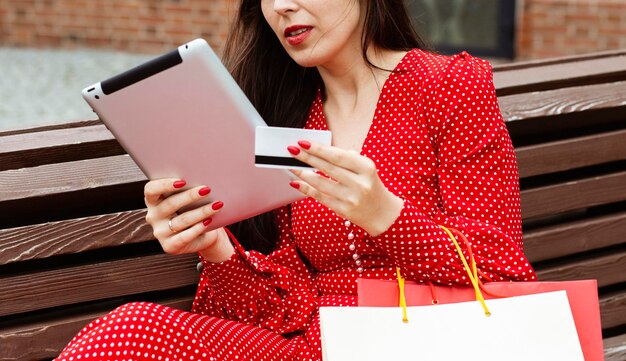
{"x":612,"y":31}
{"x":24,"y":36}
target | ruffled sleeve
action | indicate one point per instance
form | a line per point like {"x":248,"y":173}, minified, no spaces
{"x":273,"y":291}
{"x":478,"y":184}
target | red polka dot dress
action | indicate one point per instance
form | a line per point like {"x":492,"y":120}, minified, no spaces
{"x":439,"y":143}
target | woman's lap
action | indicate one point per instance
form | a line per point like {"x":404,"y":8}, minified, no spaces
{"x":146,"y":331}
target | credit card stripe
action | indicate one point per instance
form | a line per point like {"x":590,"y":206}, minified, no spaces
{"x":269,"y":160}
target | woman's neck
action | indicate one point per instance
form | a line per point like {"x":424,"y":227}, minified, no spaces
{"x":351,"y":81}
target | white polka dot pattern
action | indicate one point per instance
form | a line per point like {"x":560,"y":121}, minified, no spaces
{"x":145,"y":331}
{"x":439,"y":143}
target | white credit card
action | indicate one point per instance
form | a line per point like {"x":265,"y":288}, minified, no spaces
{"x":270,"y":146}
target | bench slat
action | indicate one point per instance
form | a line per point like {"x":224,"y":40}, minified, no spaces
{"x":24,"y":342}
{"x":73,"y":236}
{"x":613,"y":309}
{"x":82,"y":142}
{"x":57,"y":146}
{"x":83,"y":123}
{"x":559,"y":198}
{"x":571,"y":153}
{"x":567,"y":239}
{"x":53,"y":138}
{"x":53,"y":179}
{"x":527,"y":64}
{"x":557,"y":102}
{"x":553,"y":76}
{"x":96,"y":281}
{"x":615,"y":348}
{"x":68,"y":177}
{"x":90,"y":233}
{"x":607,"y":269}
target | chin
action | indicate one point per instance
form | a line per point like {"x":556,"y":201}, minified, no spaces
{"x":306,"y":63}
{"x":307,"y":60}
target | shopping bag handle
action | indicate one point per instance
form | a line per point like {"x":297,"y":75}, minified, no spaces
{"x":472,"y":273}
{"x":405,"y":318}
{"x":480,"y":273}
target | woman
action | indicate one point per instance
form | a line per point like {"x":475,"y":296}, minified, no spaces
{"x":418,"y":141}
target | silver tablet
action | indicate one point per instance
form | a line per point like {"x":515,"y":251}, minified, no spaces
{"x":182,"y":115}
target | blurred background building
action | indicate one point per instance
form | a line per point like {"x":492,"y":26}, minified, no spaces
{"x":51,"y":49}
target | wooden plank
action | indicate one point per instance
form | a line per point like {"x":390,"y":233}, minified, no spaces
{"x":559,"y":198}
{"x":94,"y":173}
{"x":607,"y":269}
{"x":53,"y":138}
{"x":567,"y":239}
{"x":557,"y":102}
{"x":571,"y":153}
{"x":554,"y":76}
{"x":56,"y":146}
{"x":83,"y":123}
{"x":58,"y":287}
{"x":613,"y":309}
{"x":73,"y":236}
{"x":615,"y":348}
{"x":68,"y":177}
{"x":47,"y":338}
{"x":525,"y":64}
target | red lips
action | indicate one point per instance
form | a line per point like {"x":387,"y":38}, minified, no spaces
{"x":296,"y":34}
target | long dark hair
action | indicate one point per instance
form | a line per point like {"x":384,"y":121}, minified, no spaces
{"x":282,"y":91}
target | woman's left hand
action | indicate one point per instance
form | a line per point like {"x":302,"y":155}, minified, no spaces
{"x":354,"y":190}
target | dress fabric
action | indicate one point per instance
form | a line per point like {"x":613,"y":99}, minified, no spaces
{"x":439,"y":142}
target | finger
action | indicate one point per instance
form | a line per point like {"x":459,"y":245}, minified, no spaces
{"x":188,"y":240}
{"x":333,"y":195}
{"x":155,"y":189}
{"x":194,"y":216}
{"x":175,"y":202}
{"x":333,"y":170}
{"x":346,"y":159}
{"x":323,"y":198}
{"x":320,"y":183}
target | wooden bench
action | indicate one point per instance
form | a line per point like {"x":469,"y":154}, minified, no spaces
{"x":74,"y":243}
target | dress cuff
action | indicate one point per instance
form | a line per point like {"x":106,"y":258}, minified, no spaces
{"x":220,"y":275}
{"x":409,"y":217}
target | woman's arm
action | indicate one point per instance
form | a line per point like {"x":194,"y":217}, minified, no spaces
{"x":478,"y":183}
{"x":273,"y":291}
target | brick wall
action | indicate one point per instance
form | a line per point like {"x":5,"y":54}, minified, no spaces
{"x":142,"y":26}
{"x":545,"y":27}
{"x":563,"y":27}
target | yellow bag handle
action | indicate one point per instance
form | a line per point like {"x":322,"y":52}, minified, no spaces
{"x":472,"y":273}
{"x":405,"y":318}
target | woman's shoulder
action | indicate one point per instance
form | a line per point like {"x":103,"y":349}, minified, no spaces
{"x":433,"y":67}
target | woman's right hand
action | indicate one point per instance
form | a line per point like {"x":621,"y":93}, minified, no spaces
{"x":185,"y":232}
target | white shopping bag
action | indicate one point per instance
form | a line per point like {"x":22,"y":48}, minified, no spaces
{"x":534,"y":327}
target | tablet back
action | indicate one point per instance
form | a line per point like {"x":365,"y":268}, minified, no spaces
{"x":182,"y":115}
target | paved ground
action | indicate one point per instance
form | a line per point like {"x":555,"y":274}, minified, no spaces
{"x":40,"y":87}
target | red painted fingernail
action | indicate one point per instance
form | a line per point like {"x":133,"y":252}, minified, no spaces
{"x":204,"y":191}
{"x":217,"y":205}
{"x":207,"y":221}
{"x":305,"y":144}
{"x":293,"y":150}
{"x":295,"y":184}
{"x":179,"y":184}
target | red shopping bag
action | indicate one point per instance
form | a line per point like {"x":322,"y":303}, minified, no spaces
{"x":582,"y":296}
